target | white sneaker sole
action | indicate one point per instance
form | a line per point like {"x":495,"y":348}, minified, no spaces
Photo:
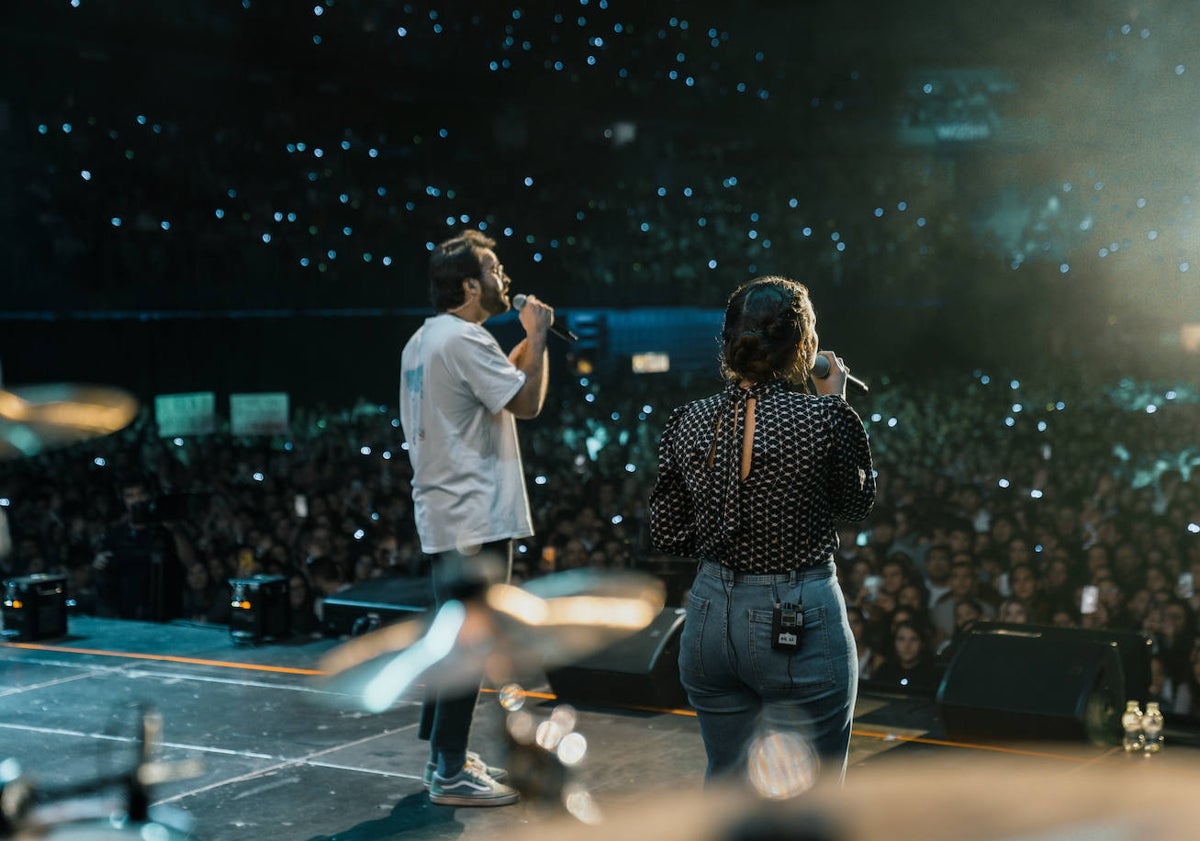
{"x":501,"y":777}
{"x":473,"y":799}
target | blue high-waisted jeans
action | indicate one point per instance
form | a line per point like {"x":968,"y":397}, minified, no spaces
{"x":735,"y":679}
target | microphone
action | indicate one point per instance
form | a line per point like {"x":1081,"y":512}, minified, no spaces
{"x":821,"y":368}
{"x":518,"y":302}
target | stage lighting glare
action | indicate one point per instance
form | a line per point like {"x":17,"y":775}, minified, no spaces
{"x":521,"y":727}
{"x":382,"y":691}
{"x":518,"y":604}
{"x":782,"y":766}
{"x":581,"y":804}
{"x":566,"y":717}
{"x":511,"y":696}
{"x":572,"y":749}
{"x":549,"y":734}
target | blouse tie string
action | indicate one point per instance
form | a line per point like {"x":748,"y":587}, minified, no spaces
{"x":725,"y":457}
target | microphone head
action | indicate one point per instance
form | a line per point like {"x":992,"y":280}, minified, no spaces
{"x":518,"y":301}
{"x":820,"y":369}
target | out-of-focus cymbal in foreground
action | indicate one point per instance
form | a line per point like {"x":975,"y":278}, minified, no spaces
{"x":37,"y":418}
{"x":950,"y":797}
{"x":502,"y":632}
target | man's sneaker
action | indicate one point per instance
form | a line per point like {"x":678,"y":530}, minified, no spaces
{"x":497,"y":774}
{"x":470,"y":787}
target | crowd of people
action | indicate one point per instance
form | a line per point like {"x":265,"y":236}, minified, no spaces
{"x":1057,"y":499}
{"x":325,"y":189}
{"x":998,"y":499}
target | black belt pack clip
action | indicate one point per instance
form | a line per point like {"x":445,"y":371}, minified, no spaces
{"x":787,"y":621}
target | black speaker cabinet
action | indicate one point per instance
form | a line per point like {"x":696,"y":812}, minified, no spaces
{"x":34,"y":607}
{"x":374,"y":603}
{"x":1133,"y":647}
{"x":1025,"y":682}
{"x":641,"y":670}
{"x":261,"y":608}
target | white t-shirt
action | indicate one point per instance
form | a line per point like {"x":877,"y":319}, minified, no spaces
{"x":468,"y":484}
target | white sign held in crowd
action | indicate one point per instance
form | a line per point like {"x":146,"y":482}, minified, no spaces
{"x":263,"y":413}
{"x":179,"y":415}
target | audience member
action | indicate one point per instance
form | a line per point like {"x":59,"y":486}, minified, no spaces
{"x":909,"y":665}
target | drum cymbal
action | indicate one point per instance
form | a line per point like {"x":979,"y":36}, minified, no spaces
{"x":947,"y":797}
{"x":501,"y":632}
{"x":37,"y":418}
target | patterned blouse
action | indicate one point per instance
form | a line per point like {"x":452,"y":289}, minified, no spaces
{"x":811,"y":464}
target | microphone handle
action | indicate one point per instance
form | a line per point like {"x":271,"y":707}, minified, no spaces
{"x":857,"y":383}
{"x":563,"y":333}
{"x":822,"y":367}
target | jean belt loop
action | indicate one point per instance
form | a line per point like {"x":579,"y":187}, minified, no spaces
{"x":792,"y":578}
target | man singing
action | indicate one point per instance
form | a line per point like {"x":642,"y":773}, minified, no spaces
{"x":459,"y":398}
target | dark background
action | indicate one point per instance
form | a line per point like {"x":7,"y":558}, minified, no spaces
{"x":1007,"y":184}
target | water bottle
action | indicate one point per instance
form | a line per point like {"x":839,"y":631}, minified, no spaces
{"x":1152,"y":728}
{"x":1132,"y":722}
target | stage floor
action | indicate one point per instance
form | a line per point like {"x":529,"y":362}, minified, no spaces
{"x":284,"y":759}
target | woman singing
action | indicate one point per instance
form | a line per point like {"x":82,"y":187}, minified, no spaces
{"x":751,"y":482}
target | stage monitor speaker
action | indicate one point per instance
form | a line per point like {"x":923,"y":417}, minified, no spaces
{"x":261,"y":609}
{"x":34,"y":607}
{"x":1033,"y":683}
{"x":371,"y":604}
{"x":1133,"y":647}
{"x":641,"y":670}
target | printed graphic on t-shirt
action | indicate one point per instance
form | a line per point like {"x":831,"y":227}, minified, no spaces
{"x":414,"y":383}
{"x":414,"y":379}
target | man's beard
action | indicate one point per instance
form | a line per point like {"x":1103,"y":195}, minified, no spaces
{"x":494,"y":302}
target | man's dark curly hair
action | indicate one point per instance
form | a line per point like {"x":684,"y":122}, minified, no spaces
{"x":452,"y":262}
